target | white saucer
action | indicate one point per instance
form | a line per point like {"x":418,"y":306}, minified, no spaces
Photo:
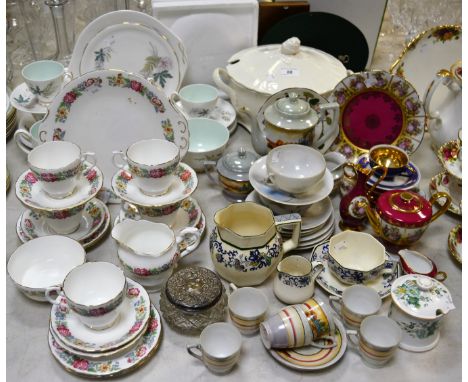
{"x":93,"y":217}
{"x":382,"y":284}
{"x":258,"y":177}
{"x":133,"y":317}
{"x":326,"y":228}
{"x":29,"y":190}
{"x":184,"y":185}
{"x":306,"y":245}
{"x":22,"y":96}
{"x":223,"y":112}
{"x":315,"y":216}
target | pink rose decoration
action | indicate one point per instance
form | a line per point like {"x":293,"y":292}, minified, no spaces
{"x":135,"y":327}
{"x":157,"y":173}
{"x":69,"y":98}
{"x":153,"y":324}
{"x":61,"y":214}
{"x":30,"y":178}
{"x":91,"y":175}
{"x":135,"y":85}
{"x":81,"y":364}
{"x":89,"y":82}
{"x":63,"y":330}
{"x":133,"y":292}
{"x":141,"y":351}
{"x":48,"y":177}
{"x":142,"y":271}
{"x":185,"y":175}
{"x":28,"y":223}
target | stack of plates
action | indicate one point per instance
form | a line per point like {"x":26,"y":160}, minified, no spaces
{"x":318,"y":222}
{"x":10,"y":116}
{"x":125,"y":346}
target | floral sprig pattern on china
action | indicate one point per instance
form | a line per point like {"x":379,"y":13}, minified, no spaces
{"x":58,"y":176}
{"x":154,"y":173}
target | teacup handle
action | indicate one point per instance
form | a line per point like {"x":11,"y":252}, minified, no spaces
{"x":67,"y":77}
{"x":232,"y":287}
{"x":444,"y":208}
{"x":185,"y":233}
{"x":49,"y":291}
{"x":23,"y":132}
{"x":353,"y":336}
{"x":134,"y":209}
{"x":295,"y":220}
{"x":119,"y":154}
{"x":330,"y":133}
{"x":332,"y":339}
{"x":89,"y":157}
{"x":190,"y":350}
{"x":335,"y":299}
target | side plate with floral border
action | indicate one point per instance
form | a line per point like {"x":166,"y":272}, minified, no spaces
{"x":310,"y":358}
{"x":141,"y":353}
{"x":134,"y":42}
{"x":455,"y":242}
{"x":377,"y":107}
{"x":107,"y":110}
{"x":382,"y":285}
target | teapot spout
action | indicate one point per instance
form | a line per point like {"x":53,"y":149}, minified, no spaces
{"x":373,"y":218}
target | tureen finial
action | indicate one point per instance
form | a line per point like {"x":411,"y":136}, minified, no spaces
{"x":291,"y":46}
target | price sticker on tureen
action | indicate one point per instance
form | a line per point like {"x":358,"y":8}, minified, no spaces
{"x":104,"y":110}
{"x":291,"y":72}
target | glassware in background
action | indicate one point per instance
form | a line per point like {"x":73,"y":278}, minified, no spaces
{"x":88,"y":10}
{"x":63,"y":16}
{"x":144,"y":6}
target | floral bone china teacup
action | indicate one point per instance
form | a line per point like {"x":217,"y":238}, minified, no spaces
{"x":44,"y":79}
{"x":356,"y":303}
{"x":94,"y":291}
{"x":152,"y":162}
{"x":58,"y":165}
{"x":149,"y":251}
{"x":299,"y":325}
{"x":377,"y":340}
{"x":220,"y":347}
{"x":196,"y":97}
{"x":247,"y":308}
{"x":166,"y":214}
{"x":294,"y":282}
{"x":63,"y":221}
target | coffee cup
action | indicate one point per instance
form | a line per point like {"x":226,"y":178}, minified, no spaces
{"x":377,"y":340}
{"x":44,"y":79}
{"x":94,"y":292}
{"x":219,"y":348}
{"x":58,"y":166}
{"x":247,"y":308}
{"x":196,"y":97}
{"x":356,"y":303}
{"x":152,"y":162}
{"x":299,"y":325}
{"x":295,"y":168}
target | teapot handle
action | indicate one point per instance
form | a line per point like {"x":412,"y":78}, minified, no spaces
{"x":444,"y":208}
{"x":295,"y":220}
{"x":329,"y":133}
{"x":442,"y":77}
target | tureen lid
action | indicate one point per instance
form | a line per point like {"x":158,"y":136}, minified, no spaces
{"x":194,"y":288}
{"x":404,"y":208}
{"x":236,"y":165}
{"x":291,"y":113}
{"x":270,"y":68}
{"x":421,"y":296}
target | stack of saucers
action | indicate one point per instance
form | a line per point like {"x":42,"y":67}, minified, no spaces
{"x":61,"y":199}
{"x":10,"y":116}
{"x":313,"y":203}
{"x":132,"y":330}
{"x":140,"y":185}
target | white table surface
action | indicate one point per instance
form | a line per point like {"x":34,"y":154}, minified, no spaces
{"x":29,"y":358}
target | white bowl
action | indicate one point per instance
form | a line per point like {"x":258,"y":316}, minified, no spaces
{"x":44,"y":262}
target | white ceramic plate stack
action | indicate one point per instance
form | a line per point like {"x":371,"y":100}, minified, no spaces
{"x":123,"y":347}
{"x":10,"y":116}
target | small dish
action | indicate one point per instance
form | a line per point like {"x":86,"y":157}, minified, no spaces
{"x":183,"y":186}
{"x":258,"y":176}
{"x":442,"y":182}
{"x":22,"y":99}
{"x":332,"y":285}
{"x":143,"y":350}
{"x":310,"y":358}
{"x":134,"y":314}
{"x":455,"y":242}
{"x":29,"y":190}
{"x":449,"y":158}
{"x":93,"y":217}
{"x":43,"y":263}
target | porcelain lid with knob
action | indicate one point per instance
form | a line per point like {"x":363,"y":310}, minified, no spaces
{"x":236,"y":165}
{"x":270,"y":68}
{"x":404,"y":208}
{"x":421,"y":296}
{"x":291,"y":113}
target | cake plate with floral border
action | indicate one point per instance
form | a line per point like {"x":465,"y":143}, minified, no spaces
{"x":133,"y":317}
{"x":310,"y":358}
{"x":134,"y":42}
{"x":144,"y":349}
{"x":382,"y":284}
{"x":107,"y":110}
{"x":377,"y":107}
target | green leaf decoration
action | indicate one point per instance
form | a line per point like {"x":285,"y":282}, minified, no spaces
{"x":151,"y":63}
{"x":161,"y":77}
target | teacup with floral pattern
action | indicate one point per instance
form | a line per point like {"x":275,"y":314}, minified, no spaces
{"x":58,"y":166}
{"x":152,"y":162}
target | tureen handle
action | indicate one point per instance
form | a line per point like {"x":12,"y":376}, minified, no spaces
{"x":221,"y":78}
{"x":444,"y":208}
{"x":193,"y":235}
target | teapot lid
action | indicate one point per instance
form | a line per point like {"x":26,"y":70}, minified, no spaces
{"x":270,"y":68}
{"x":236,"y":165}
{"x":291,"y":113}
{"x":194,"y":288}
{"x":421,"y":296}
{"x":404,"y":208}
